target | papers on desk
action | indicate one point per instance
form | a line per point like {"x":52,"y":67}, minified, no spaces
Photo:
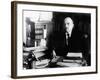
{"x":39,"y":48}
{"x":41,"y":64}
{"x":68,"y":64}
{"x":70,"y":54}
{"x":38,"y":54}
{"x":72,"y":60}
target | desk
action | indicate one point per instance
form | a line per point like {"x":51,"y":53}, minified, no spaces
{"x":72,"y":59}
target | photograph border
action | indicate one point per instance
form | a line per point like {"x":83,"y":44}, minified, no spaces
{"x":14,"y":37}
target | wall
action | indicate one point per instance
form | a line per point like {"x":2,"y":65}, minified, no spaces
{"x":5,"y":40}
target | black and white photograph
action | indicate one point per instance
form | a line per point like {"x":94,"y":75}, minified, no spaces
{"x":54,"y":39}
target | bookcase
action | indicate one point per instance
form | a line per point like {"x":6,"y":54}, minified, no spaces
{"x":41,"y":31}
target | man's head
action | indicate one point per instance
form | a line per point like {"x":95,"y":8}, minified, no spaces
{"x":69,"y":24}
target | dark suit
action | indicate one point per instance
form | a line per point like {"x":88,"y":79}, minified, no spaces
{"x":57,"y":41}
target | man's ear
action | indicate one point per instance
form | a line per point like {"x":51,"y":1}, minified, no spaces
{"x":73,"y":25}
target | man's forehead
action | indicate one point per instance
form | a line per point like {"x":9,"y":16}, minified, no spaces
{"x":68,"y":20}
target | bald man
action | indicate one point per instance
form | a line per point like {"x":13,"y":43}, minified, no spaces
{"x":70,"y":39}
{"x":69,"y":25}
{"x":76,"y":39}
{"x":73,"y":36}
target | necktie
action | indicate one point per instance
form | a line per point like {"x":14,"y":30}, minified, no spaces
{"x":67,"y":37}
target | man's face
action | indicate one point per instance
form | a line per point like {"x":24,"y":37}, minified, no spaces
{"x":69,"y":24}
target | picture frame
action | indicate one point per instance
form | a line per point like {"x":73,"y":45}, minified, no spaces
{"x":47,"y":18}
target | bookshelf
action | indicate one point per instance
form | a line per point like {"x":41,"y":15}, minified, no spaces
{"x":41,"y":31}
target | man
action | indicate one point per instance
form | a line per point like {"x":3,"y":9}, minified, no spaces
{"x":69,"y":39}
{"x":78,"y":41}
{"x":74,"y":37}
